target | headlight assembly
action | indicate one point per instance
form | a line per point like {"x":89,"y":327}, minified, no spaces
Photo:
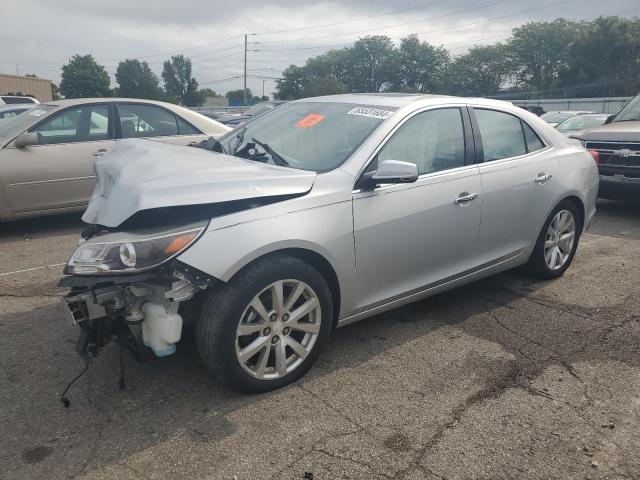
{"x":129,"y":253}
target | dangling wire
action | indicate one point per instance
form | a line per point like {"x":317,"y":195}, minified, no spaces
{"x":65,"y":401}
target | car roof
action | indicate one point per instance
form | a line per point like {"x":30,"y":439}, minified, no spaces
{"x":399,"y":100}
{"x":17,"y":106}
{"x":82,"y":101}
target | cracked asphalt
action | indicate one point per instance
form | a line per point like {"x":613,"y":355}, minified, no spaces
{"x":505,"y":378}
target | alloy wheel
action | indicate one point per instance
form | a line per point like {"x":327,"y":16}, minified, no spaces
{"x":278,"y":329}
{"x":559,"y":240}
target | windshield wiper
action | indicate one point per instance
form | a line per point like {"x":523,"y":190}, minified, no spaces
{"x":277,"y":159}
{"x":239,"y":139}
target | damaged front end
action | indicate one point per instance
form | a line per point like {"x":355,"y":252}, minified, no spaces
{"x":129,"y":287}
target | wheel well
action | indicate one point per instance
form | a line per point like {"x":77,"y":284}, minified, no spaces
{"x":319,"y":263}
{"x":580,"y":206}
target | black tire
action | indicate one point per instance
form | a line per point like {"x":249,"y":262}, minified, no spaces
{"x":215,"y":332}
{"x":537,"y":264}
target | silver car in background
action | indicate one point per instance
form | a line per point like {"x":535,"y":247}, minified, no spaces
{"x":318,"y":214}
{"x":47,"y":153}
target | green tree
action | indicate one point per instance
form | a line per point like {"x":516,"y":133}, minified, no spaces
{"x":237,"y":96}
{"x":373,"y":63}
{"x":606,"y":60}
{"x":82,"y":77}
{"x":291,"y":85}
{"x":55,"y":92}
{"x":179,"y":83}
{"x":539,"y":51}
{"x":421,"y":66}
{"x":481,"y":71}
{"x":136,"y":80}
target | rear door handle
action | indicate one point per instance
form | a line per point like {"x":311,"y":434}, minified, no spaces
{"x":542,"y":178}
{"x":99,"y":152}
{"x":465,"y":198}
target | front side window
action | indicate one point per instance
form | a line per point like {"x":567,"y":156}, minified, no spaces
{"x":502,"y":134}
{"x":80,"y":124}
{"x":433,"y":140}
{"x":631,"y":111}
{"x":138,"y":120}
{"x":316,"y":136}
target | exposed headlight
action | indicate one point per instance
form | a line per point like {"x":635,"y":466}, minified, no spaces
{"x":128,"y":252}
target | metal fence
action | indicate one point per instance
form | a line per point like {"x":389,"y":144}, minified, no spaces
{"x":598,"y":105}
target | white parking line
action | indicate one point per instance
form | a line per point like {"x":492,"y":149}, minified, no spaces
{"x":30,"y":269}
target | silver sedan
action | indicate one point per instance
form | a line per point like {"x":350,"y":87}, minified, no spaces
{"x":47,"y":153}
{"x":318,"y":214}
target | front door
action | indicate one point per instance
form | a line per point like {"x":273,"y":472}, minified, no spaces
{"x":519,"y":178}
{"x":58,"y":171}
{"x":411,"y":236}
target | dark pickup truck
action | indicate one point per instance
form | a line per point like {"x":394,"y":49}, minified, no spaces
{"x":618,"y":144}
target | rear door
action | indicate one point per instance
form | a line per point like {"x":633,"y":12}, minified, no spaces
{"x":58,"y":171}
{"x":411,"y":236}
{"x":141,"y":120}
{"x":519,"y":177}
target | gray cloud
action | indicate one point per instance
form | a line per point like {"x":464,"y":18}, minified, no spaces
{"x":40,"y":35}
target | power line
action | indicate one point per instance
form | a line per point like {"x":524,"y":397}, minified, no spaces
{"x":393,"y":12}
{"x":462,"y":11}
{"x":422,"y":33}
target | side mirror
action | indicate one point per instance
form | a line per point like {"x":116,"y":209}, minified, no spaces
{"x":395,"y":171}
{"x":609,"y":119}
{"x":392,"y":171}
{"x":26,"y":139}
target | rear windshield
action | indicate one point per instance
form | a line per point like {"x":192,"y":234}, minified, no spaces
{"x":11,"y":100}
{"x":555,"y":117}
{"x":580,"y":122}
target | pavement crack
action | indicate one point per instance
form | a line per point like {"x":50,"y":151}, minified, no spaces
{"x":349,"y":459}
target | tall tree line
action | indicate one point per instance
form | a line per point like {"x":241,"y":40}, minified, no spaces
{"x":555,"y":58}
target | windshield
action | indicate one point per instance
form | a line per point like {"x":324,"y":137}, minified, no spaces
{"x":556,"y":117}
{"x":317,"y":136}
{"x":630,"y":112}
{"x":580,"y":122}
{"x":14,"y":127}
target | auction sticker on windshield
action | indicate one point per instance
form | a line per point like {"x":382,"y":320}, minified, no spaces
{"x":370,"y":112}
{"x":310,"y":120}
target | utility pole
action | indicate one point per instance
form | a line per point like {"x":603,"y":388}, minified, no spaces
{"x":263,"y":80}
{"x":244,"y":92}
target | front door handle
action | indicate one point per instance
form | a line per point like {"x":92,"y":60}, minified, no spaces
{"x":99,"y":152}
{"x":465,"y":198}
{"x":542,"y":178}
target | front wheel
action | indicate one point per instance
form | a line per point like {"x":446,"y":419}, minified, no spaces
{"x":557,"y":242}
{"x":265,"y":328}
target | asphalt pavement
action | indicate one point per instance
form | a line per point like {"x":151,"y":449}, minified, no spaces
{"x":504,"y":378}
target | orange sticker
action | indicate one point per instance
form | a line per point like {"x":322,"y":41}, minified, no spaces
{"x":310,"y":120}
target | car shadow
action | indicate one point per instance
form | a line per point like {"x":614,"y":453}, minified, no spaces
{"x":41,"y":227}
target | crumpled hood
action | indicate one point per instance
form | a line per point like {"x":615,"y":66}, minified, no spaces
{"x":138,"y":175}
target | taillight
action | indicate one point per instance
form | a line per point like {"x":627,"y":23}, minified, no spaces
{"x":596,"y":156}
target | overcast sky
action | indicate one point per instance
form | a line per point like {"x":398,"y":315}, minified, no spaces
{"x":38,"y":36}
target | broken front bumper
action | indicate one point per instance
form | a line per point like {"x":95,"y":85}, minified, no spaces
{"x":137,"y":310}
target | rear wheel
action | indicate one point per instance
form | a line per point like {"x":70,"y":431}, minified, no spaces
{"x":265,"y":328}
{"x":557,"y":242}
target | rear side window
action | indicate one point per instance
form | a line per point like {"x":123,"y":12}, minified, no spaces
{"x":185,"y":129}
{"x":533,"y":140}
{"x":502,"y":135}
{"x":146,"y":121}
